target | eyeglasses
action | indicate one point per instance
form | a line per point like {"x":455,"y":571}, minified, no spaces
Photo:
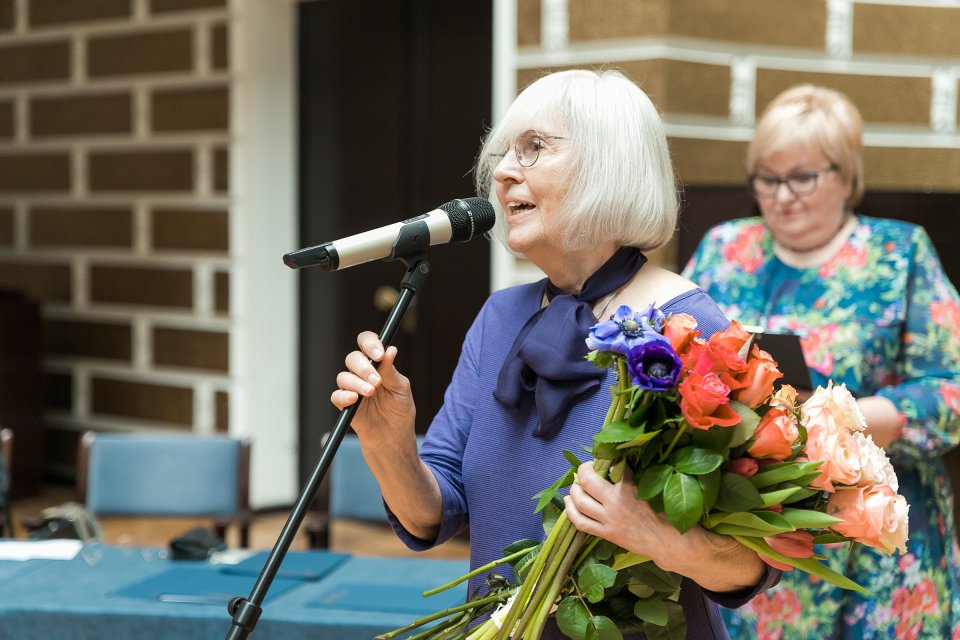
{"x":527,"y":146}
{"x":802,"y":183}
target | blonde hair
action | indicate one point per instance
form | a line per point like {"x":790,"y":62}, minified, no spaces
{"x":821,"y":118}
{"x":621,"y":183}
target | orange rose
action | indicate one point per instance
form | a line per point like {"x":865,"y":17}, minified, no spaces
{"x":704,"y":402}
{"x":733,"y":337}
{"x":680,"y":330}
{"x":758,"y":379}
{"x":775,"y":435}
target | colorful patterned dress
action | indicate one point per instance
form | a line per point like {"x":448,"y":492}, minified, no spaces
{"x":882,"y":318}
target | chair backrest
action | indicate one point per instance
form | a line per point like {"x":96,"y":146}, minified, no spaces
{"x":354,"y":492}
{"x":6,"y":463}
{"x":163,"y":475}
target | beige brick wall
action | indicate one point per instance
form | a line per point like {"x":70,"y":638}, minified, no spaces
{"x":712,"y":65}
{"x":114,"y":208}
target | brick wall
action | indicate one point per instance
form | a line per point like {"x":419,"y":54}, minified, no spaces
{"x":114,"y":208}
{"x":712,"y":65}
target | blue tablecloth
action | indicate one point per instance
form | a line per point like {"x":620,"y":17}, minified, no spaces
{"x":115,"y":593}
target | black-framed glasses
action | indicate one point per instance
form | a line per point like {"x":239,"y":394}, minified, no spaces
{"x":801,"y":183}
{"x":528,"y":145}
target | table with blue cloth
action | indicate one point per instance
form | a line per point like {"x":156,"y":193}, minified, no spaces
{"x":122,"y":592}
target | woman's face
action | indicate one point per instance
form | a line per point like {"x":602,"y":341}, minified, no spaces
{"x":531,"y":195}
{"x":809,"y":220}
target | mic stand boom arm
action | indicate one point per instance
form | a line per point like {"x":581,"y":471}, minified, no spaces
{"x":246,"y":611}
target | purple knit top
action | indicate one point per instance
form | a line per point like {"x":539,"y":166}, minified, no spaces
{"x":489,"y":464}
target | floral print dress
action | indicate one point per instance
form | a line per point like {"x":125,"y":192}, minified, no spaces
{"x":882,"y":318}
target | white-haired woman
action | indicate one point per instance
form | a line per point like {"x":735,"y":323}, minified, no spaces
{"x":874,"y":311}
{"x":580,"y":177}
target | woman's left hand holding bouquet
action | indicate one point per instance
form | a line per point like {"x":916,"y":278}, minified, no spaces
{"x":613,"y":512}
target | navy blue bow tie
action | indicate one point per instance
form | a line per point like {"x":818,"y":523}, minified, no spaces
{"x":546,"y":361}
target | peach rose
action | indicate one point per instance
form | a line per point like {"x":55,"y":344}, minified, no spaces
{"x":704,"y":402}
{"x":834,"y":404}
{"x":775,"y":435}
{"x":758,"y":379}
{"x":785,"y":398}
{"x":680,"y":330}
{"x":836,"y":448}
{"x":875,"y":516}
{"x":875,"y":467}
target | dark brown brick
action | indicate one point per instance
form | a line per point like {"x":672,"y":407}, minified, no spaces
{"x":141,"y":171}
{"x":31,"y":62}
{"x":905,"y":169}
{"x":6,"y":226}
{"x":58,"y":391}
{"x":142,"y":286}
{"x":899,"y":30}
{"x":222,"y":424}
{"x":70,"y":115}
{"x":6,"y":119}
{"x":107,"y":341}
{"x":192,"y":230}
{"x":49,"y":12}
{"x":785,"y":23}
{"x":191,"y":109}
{"x":47,"y":282}
{"x":75,"y":226}
{"x":193,"y":349}
{"x":604,"y":19}
{"x":6,"y":15}
{"x":156,"y":402}
{"x":528,"y":22}
{"x":164,"y":6}
{"x":708,"y":162}
{"x":880,"y":98}
{"x":35,"y":172}
{"x":221,"y":292}
{"x":149,"y":52}
{"x":220,"y":50}
{"x":221,"y":170}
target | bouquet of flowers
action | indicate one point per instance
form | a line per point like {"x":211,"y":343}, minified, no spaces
{"x":710,"y":442}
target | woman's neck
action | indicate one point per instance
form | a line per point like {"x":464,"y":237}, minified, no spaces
{"x":817,"y":256}
{"x":569,"y":270}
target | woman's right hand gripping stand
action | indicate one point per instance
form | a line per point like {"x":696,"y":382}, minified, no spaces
{"x":384,"y":423}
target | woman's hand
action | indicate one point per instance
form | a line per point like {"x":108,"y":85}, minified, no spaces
{"x":389,"y":402}
{"x":613,"y":512}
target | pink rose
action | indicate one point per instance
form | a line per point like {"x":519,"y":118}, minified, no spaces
{"x":837,"y":449}
{"x":875,"y":516}
{"x":775,"y":435}
{"x":795,"y":544}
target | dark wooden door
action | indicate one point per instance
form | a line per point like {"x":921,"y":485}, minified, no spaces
{"x":394,"y":98}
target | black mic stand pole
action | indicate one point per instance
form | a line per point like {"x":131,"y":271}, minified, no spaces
{"x":246,"y":611}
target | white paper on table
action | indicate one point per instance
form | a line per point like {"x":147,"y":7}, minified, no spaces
{"x":40,"y":549}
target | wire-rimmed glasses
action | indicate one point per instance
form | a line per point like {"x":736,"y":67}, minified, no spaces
{"x":800,"y":183}
{"x":528,"y":145}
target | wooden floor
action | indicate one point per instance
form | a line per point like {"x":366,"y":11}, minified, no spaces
{"x":358,"y":538}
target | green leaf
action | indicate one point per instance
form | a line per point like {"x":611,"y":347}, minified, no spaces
{"x":802,"y":494}
{"x":736,"y":530}
{"x":640,"y":589}
{"x":594,"y":579}
{"x":710,"y":485}
{"x":737,"y":494}
{"x":743,"y":430}
{"x":777,"y":497}
{"x":661,"y":581}
{"x":602,"y":359}
{"x":810,"y":565}
{"x":683,"y":501}
{"x":759,"y":520}
{"x":572,"y":459}
{"x":616,"y":432}
{"x":547,"y":495}
{"x":606,"y":451}
{"x":652,"y":610}
{"x":525,"y":543}
{"x":639,"y":441}
{"x":715,"y":438}
{"x":694,"y":461}
{"x":551,"y":513}
{"x":603,"y":628}
{"x":628,"y":559}
{"x":809,"y":519}
{"x":573,"y":618}
{"x":675,"y":629}
{"x":653,"y":480}
{"x":785,"y":472}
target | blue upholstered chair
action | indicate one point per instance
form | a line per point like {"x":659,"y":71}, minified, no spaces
{"x":354,"y":493}
{"x":132,"y":474}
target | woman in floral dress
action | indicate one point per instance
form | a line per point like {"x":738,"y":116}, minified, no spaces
{"x":875,"y":311}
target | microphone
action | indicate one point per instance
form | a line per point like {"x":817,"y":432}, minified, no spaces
{"x":459,"y":220}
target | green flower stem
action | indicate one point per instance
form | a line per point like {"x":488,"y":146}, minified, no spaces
{"x":676,"y":438}
{"x":444,"y":630}
{"x":546,"y":577}
{"x":443,"y":614}
{"x":563,"y":574}
{"x":477,"y":571}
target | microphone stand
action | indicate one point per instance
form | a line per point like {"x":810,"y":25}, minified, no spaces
{"x":246,"y":611}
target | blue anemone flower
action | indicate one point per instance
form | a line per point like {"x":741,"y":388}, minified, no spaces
{"x":654,"y":365}
{"x":626,"y":329}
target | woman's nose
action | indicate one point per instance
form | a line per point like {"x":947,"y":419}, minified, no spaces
{"x":508,"y":168}
{"x":784,"y":192}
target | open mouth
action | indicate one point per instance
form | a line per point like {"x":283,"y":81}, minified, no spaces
{"x":519,"y":207}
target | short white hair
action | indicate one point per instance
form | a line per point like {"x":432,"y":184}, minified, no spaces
{"x":622,"y":185}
